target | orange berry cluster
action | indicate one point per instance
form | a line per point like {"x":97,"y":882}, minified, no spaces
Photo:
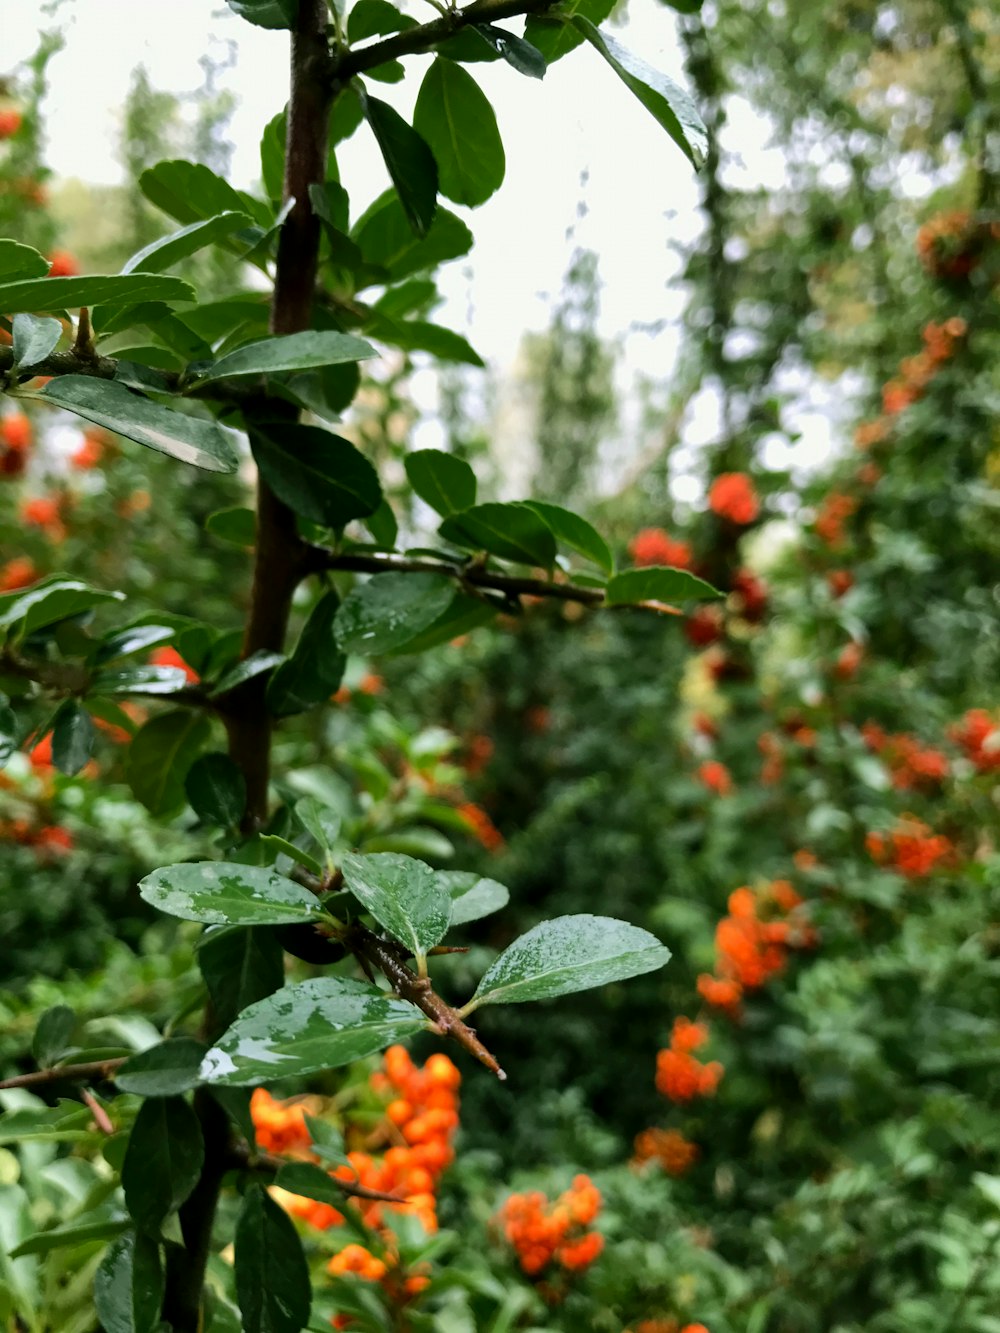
{"x":834,"y":512}
{"x":679,"y":1075}
{"x":655,"y":546}
{"x":979,"y":736}
{"x":752,"y":942}
{"x":543,"y":1233}
{"x":666,"y":1326}
{"x":732,"y":496}
{"x":675,"y":1153}
{"x":916,"y":372}
{"x":481,"y":826}
{"x":716,"y":777}
{"x":280,"y":1126}
{"x":912,"y":848}
{"x":910,"y":763}
{"x":951,"y":244}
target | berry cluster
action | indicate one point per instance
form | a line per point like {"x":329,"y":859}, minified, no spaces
{"x":544,"y":1233}
{"x":752,"y":942}
{"x":679,"y":1075}
{"x":912,"y":848}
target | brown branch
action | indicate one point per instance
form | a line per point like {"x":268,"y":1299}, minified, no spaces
{"x":237,"y":393}
{"x":371,"y":949}
{"x":414,"y":41}
{"x":90,"y":1072}
{"x":268,"y":1164}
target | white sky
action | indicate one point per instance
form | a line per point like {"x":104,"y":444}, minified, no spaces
{"x":641,"y":194}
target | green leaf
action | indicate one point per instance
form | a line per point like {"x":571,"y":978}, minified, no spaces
{"x":383,"y":525}
{"x":236,"y":525}
{"x":316,"y":667}
{"x":320,"y":476}
{"x":132,"y":639}
{"x":656,"y":583}
{"x":246,"y":669}
{"x":240,"y":964}
{"x":289,"y":849}
{"x":265,"y":13}
{"x":61,"y":1238}
{"x":73,"y":737}
{"x":216,"y":789}
{"x":20,"y":261}
{"x":163,"y":1161}
{"x":669,"y":104}
{"x":518,"y":53}
{"x":272,"y":156}
{"x":53,"y":599}
{"x":554,"y":36}
{"x":455,"y":118}
{"x":128,"y":1285}
{"x":311,"y":1181}
{"x":388,"y":242}
{"x":169,"y":250}
{"x":567,"y":954}
{"x":419,"y":335}
{"x":390,"y":609}
{"x":403,"y":894}
{"x":53,"y":1035}
{"x":34,"y":338}
{"x":472,"y":896}
{"x":159,"y":758}
{"x":192,"y":192}
{"x":375,"y":18}
{"x":575,"y":532}
{"x":190,"y":439}
{"x":327,"y":1140}
{"x":463,"y":614}
{"x":315,"y":1025}
{"x":162,"y":1071}
{"x":64,"y":1122}
{"x":226,"y":893}
{"x":36,"y":294}
{"x":409,"y":160}
{"x":148,"y":680}
{"x":511,"y":531}
{"x":323,"y":826}
{"x":272,"y":1276}
{"x":325,"y":393}
{"x":292,"y":351}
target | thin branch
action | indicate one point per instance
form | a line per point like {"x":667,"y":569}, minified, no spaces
{"x":389,"y":959}
{"x":241,"y":1157}
{"x":423,"y":38}
{"x":90,"y":1072}
{"x":236,"y":393}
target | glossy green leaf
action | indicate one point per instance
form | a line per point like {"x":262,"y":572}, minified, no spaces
{"x":383,"y":525}
{"x":162,"y":1162}
{"x":316,"y":667}
{"x":554,"y":36}
{"x":326,"y":393}
{"x":409,"y":161}
{"x":322,"y":824}
{"x":272,"y":1276}
{"x":266,"y":13}
{"x":46,"y":603}
{"x":170,"y":250}
{"x":225,"y":893}
{"x":656,"y":583}
{"x":456,"y":119}
{"x":375,"y":18}
{"x":128,"y":1285}
{"x":132,"y":639}
{"x":63,"y":1238}
{"x":240,"y":964}
{"x":345,"y":116}
{"x":390,"y":609}
{"x":319,"y":475}
{"x":190,"y":439}
{"x":511,"y":531}
{"x":575,"y":532}
{"x":419,"y":335}
{"x":419,"y":840}
{"x":257,"y":664}
{"x":53,"y":1035}
{"x":216,"y":789}
{"x":388,"y":241}
{"x":237,"y":525}
{"x":292,"y":351}
{"x":303,"y":1029}
{"x":518,"y":53}
{"x":272,"y":156}
{"x":20,"y":261}
{"x":160,"y":755}
{"x":567,"y":954}
{"x":146,"y":680}
{"x":472,"y":896}
{"x":62,"y":1123}
{"x":34,"y":338}
{"x":72,"y":737}
{"x":192,"y":192}
{"x":34,"y":294}
{"x":164,"y":1070}
{"x":311,"y":1181}
{"x":303,"y":858}
{"x":327,"y":1140}
{"x":403,"y":894}
{"x":669,"y":104}
{"x":462,"y":615}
